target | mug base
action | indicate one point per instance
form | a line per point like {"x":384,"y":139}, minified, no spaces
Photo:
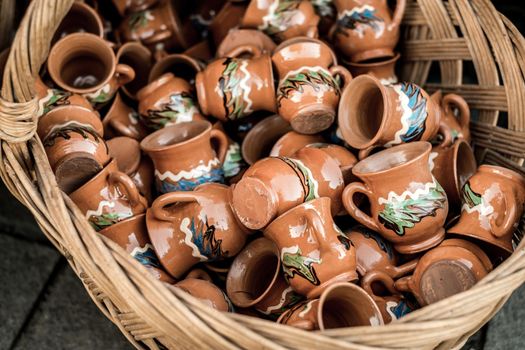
{"x":380,"y":54}
{"x":313,"y":119}
{"x":349,"y":276}
{"x":75,"y":169}
{"x":253,"y":203}
{"x":419,"y":247}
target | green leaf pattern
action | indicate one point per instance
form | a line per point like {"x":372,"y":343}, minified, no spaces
{"x":181,"y":108}
{"x":234,"y":88}
{"x":297,"y":264}
{"x":281,"y":16}
{"x":295,"y":82}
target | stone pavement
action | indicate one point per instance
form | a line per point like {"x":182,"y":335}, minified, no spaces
{"x":44,"y":305}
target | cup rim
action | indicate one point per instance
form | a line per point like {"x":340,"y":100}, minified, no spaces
{"x":112,"y":164}
{"x":392,"y":59}
{"x":505,"y":172}
{"x":149,"y":145}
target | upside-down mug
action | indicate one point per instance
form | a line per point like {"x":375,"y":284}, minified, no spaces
{"x":123,"y":120}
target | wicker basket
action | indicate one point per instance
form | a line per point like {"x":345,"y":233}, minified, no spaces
{"x":455,"y":35}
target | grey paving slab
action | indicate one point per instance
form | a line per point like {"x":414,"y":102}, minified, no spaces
{"x":67,"y":319}
{"x":25,"y":269}
{"x":505,"y":331}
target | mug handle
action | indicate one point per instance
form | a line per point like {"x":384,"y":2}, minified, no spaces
{"x":343,"y":73}
{"x":445,"y":131}
{"x":404,"y":269}
{"x":398,"y":12}
{"x":511,"y":217}
{"x":363,"y":153}
{"x":159,"y":205}
{"x":404,"y":284}
{"x":222,"y":141}
{"x":122,"y":129}
{"x":312,"y":32}
{"x":117,"y":178}
{"x":243,"y":49}
{"x":459,"y":102}
{"x":351,"y":207}
{"x":124,"y":73}
{"x":378,"y":276}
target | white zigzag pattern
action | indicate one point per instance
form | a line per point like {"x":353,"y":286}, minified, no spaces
{"x":101,"y":206}
{"x":246,"y":89}
{"x":407,"y":112}
{"x":188,"y":240}
{"x":188,"y":175}
{"x":281,"y":302}
{"x":393,"y":197}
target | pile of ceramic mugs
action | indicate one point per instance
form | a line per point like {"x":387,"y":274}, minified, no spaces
{"x":262,"y":156}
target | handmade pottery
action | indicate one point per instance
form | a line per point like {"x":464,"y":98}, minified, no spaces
{"x":234,"y":164}
{"x":391,"y":303}
{"x":457,"y":126}
{"x":255,"y":280}
{"x":442,"y":272}
{"x":375,"y":115}
{"x":84,"y":64}
{"x":384,"y":70}
{"x":122,"y":120}
{"x":132,"y":235}
{"x":183,"y":155}
{"x":81,"y":18}
{"x":342,"y":156}
{"x":408,"y":207}
{"x":482,"y":256}
{"x":282,"y":20}
{"x":291,"y":142}
{"x":195,"y":226}
{"x":109,"y":197}
{"x":259,"y":141}
{"x":232,"y":88}
{"x":138,"y":57}
{"x":274,"y":185}
{"x":207,"y":293}
{"x":237,"y":38}
{"x":492,"y":207}
{"x":50,"y":99}
{"x":326,"y":11}
{"x":368,"y":29}
{"x":452,"y":167}
{"x":132,"y":6}
{"x":181,"y":65}
{"x":167,"y":101}
{"x":315,"y":253}
{"x":228,"y":18}
{"x":341,"y":305}
{"x":200,"y":51}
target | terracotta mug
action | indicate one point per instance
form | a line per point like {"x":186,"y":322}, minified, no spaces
{"x":452,"y":167}
{"x":442,"y":272}
{"x":109,"y":197}
{"x":123,"y":120}
{"x":183,"y":155}
{"x":342,"y":156}
{"x":275,"y":185}
{"x":375,"y":115}
{"x":228,"y":18}
{"x":84,"y":64}
{"x":201,"y":51}
{"x":232,"y":88}
{"x":131,"y":234}
{"x":81,"y":18}
{"x":167,"y":101}
{"x":206,"y":292}
{"x":237,"y":38}
{"x":384,"y":70}
{"x":291,"y":142}
{"x":132,"y":6}
{"x":234,"y":164}
{"x":126,"y":151}
{"x":50,"y":99}
{"x":457,"y":126}
{"x":191,"y":227}
{"x":255,"y":280}
{"x":341,"y":305}
{"x":315,"y":253}
{"x":366,"y":30}
{"x":282,"y":20}
{"x":181,"y":65}
{"x":493,"y":203}
{"x":326,"y":11}
{"x":138,"y":57}
{"x":391,"y":303}
{"x":408,"y":207}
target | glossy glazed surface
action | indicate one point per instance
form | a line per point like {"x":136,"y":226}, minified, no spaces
{"x":384,"y":70}
{"x":139,"y":58}
{"x":237,"y":38}
{"x":291,"y":142}
{"x":207,"y":292}
{"x":458,"y":127}
{"x":122,"y":120}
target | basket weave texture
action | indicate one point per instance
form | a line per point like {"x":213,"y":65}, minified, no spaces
{"x":453,"y":37}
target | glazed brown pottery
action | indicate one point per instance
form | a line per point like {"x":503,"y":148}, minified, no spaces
{"x":341,"y":305}
{"x":374,"y":115}
{"x":132,"y":235}
{"x":492,"y":206}
{"x":384,"y":70}
{"x":391,"y":303}
{"x":181,"y":65}
{"x":85,"y":64}
{"x":469,"y":246}
{"x":291,"y":142}
{"x":443,"y":272}
{"x":452,"y":167}
{"x":342,"y":156}
{"x":274,"y":185}
{"x":326,"y":11}
{"x":122,"y":120}
{"x":282,"y":20}
{"x":132,"y":6}
{"x":259,"y":141}
{"x":167,"y":101}
{"x":241,"y":37}
{"x":206,"y":292}
{"x":255,"y":279}
{"x":457,"y":126}
{"x":191,"y":227}
{"x":81,"y":18}
{"x":408,"y":207}
{"x":315,"y":253}
{"x":366,"y":30}
{"x":200,"y":51}
{"x":138,"y":57}
{"x":228,"y":18}
{"x":49,"y":99}
{"x":109,"y":197}
{"x":232,"y":88}
{"x":234,"y":164}
{"x":183,"y":155}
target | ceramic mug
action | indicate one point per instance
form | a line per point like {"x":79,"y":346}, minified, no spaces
{"x":183,"y":155}
{"x":315,"y":253}
{"x":237,"y":38}
{"x":167,"y":101}
{"x":84,"y":64}
{"x":366,"y":30}
{"x":275,"y":185}
{"x":131,"y":234}
{"x":408,"y":207}
{"x":342,"y":156}
{"x":81,"y":18}
{"x":123,"y":120}
{"x":384,"y":70}
{"x":180,"y":65}
{"x":291,"y":142}
{"x":132,"y":6}
{"x":232,"y":88}
{"x":282,"y":20}
{"x":50,"y":99}
{"x":234,"y":164}
{"x":492,"y":207}
{"x":138,"y":57}
{"x":206,"y":292}
{"x":191,"y":227}
{"x":375,"y":115}
{"x":458,"y":127}
{"x":255,"y":280}
{"x":109,"y":197}
{"x":228,"y":18}
{"x":341,"y":305}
